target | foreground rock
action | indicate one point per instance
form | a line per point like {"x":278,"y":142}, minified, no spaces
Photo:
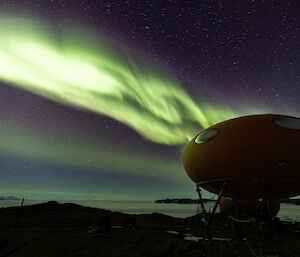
{"x":53,"y":229}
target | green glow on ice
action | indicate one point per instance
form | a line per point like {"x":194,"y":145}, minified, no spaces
{"x":72,"y":68}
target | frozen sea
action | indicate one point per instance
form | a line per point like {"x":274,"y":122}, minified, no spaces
{"x":287,"y":211}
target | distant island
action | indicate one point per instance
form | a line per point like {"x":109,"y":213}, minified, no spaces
{"x":9,"y":198}
{"x":197,"y":201}
{"x":291,"y":201}
{"x":184,"y":201}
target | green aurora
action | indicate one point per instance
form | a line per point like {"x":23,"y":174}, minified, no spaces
{"x":73,"y":68}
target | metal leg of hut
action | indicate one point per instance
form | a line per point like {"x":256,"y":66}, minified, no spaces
{"x":201,"y":201}
{"x":210,"y":218}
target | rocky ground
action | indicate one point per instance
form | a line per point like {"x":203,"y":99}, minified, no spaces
{"x":53,"y":229}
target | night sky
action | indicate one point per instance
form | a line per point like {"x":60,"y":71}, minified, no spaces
{"x":99,"y":98}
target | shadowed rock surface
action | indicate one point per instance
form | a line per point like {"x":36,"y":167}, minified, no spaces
{"x":52,"y":229}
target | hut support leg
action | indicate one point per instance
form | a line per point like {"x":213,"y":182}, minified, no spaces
{"x":208,"y":224}
{"x":270,"y":217}
{"x":210,"y":218}
{"x":201,"y":201}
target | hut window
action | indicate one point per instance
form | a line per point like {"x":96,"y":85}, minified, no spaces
{"x":206,"y":135}
{"x":287,"y":122}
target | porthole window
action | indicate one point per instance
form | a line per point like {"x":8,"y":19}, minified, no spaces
{"x":206,"y":135}
{"x":287,"y":122}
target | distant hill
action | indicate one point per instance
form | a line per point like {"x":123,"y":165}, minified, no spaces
{"x":184,"y":201}
{"x":9,"y":198}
